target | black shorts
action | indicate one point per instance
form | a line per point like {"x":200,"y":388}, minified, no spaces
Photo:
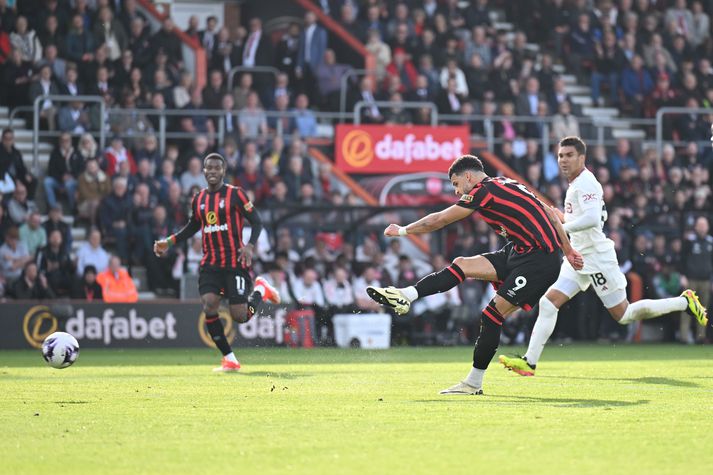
{"x":524,"y":278}
{"x":233,"y":284}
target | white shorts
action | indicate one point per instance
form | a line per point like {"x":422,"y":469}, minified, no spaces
{"x":601,"y":270}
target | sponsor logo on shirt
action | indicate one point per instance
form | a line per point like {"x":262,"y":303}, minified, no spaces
{"x":215,"y":228}
{"x":467,"y":198}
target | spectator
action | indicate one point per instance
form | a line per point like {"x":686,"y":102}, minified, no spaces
{"x":214,"y":91}
{"x":79,"y":47}
{"x":329,"y":80}
{"x":55,"y":222}
{"x":65,"y":166}
{"x":305,"y":120}
{"x":370,"y":112}
{"x":281,"y":123}
{"x":86,"y":286}
{"x":57,"y":65}
{"x":252,"y":120}
{"x":17,"y":76}
{"x":636,"y":85}
{"x":196,"y":123}
{"x":251,"y":179}
{"x":54,"y":263}
{"x":698,"y":269}
{"x":140,"y":42}
{"x":51,"y":34}
{"x":257,"y":50}
{"x":31,"y":285}
{"x":116,"y":154}
{"x":564,"y":123}
{"x":5,"y":224}
{"x":109,"y":31}
{"x":117,"y":285}
{"x":166,"y":41}
{"x":25,"y":40}
{"x":91,"y":253}
{"x":452,"y":71}
{"x":450,"y":101}
{"x":71,"y":85}
{"x":581,"y":45}
{"x":380,"y":51}
{"x":609,"y":60}
{"x":404,"y":69}
{"x":11,"y":162}
{"x":701,"y":25}
{"x":45,"y":86}
{"x":13,"y":255}
{"x":73,"y":118}
{"x":528,"y":100}
{"x":193,"y":176}
{"x":295,"y":176}
{"x":19,"y":207}
{"x":32,"y":234}
{"x":114,"y":214}
{"x":240,"y":93}
{"x":92,"y":186}
{"x":208,"y":35}
{"x":311,"y":50}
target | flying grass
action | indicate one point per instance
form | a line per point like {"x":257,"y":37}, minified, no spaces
{"x":590,"y":409}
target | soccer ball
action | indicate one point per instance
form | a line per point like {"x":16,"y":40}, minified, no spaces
{"x":60,"y":350}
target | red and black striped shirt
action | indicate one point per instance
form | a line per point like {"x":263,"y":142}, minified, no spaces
{"x":220,"y":216}
{"x":514,"y":212}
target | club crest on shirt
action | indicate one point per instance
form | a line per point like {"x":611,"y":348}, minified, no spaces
{"x":589,"y":196}
{"x":467,"y":198}
{"x":568,"y":207}
{"x":503,"y":232}
{"x":248,"y":206}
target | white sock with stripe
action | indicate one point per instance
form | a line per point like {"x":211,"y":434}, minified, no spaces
{"x":645,"y":309}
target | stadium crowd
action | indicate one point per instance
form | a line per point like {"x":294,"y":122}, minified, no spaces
{"x":636,"y":55}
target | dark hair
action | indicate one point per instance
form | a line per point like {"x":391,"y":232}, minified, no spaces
{"x":576,"y":142}
{"x":6,"y":132}
{"x":214,"y":156}
{"x":465,"y":163}
{"x":90,"y":269}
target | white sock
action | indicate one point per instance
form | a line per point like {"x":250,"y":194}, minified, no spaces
{"x":475,"y":378}
{"x":645,"y":309}
{"x":231,"y":357}
{"x":410,"y":293}
{"x":260,"y":289}
{"x":544,"y":326}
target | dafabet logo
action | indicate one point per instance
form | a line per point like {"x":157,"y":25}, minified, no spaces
{"x":38,"y":324}
{"x":396,"y":149}
{"x":357,"y":148}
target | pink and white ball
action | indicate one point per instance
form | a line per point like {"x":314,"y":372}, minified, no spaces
{"x":60,"y":350}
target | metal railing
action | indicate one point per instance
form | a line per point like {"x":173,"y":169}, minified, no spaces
{"x":343,"y":87}
{"x":356,"y":114}
{"x":63,"y":98}
{"x":675,"y":110}
{"x":250,"y":69}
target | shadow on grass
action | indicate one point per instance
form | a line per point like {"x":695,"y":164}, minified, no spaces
{"x":544,"y":401}
{"x":274,"y":374}
{"x":645,"y":380}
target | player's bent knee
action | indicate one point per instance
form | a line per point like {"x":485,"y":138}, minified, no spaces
{"x":547,"y":307}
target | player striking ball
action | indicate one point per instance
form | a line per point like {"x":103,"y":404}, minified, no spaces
{"x":584,"y":216}
{"x":219,"y":211}
{"x":524,"y":268}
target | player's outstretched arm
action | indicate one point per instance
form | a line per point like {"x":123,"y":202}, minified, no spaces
{"x":430,"y":222}
{"x":574,"y":257}
{"x":161,"y":247}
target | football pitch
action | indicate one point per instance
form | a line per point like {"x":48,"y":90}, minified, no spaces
{"x":590,"y":410}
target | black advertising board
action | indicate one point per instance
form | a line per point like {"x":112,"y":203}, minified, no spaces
{"x":139,"y":325}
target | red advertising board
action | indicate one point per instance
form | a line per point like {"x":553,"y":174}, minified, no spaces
{"x":398,"y":149}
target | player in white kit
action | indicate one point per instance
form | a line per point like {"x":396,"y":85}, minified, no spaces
{"x":583,"y":218}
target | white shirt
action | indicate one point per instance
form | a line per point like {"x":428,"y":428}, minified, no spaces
{"x":338,"y":295}
{"x":308,"y":295}
{"x":585,"y":214}
{"x":86,"y":255}
{"x":251,"y":48}
{"x":309,"y":32}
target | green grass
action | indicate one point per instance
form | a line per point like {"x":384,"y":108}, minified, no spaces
{"x":590,"y":410}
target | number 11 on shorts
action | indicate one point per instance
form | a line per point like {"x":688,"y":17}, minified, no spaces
{"x":240,"y":284}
